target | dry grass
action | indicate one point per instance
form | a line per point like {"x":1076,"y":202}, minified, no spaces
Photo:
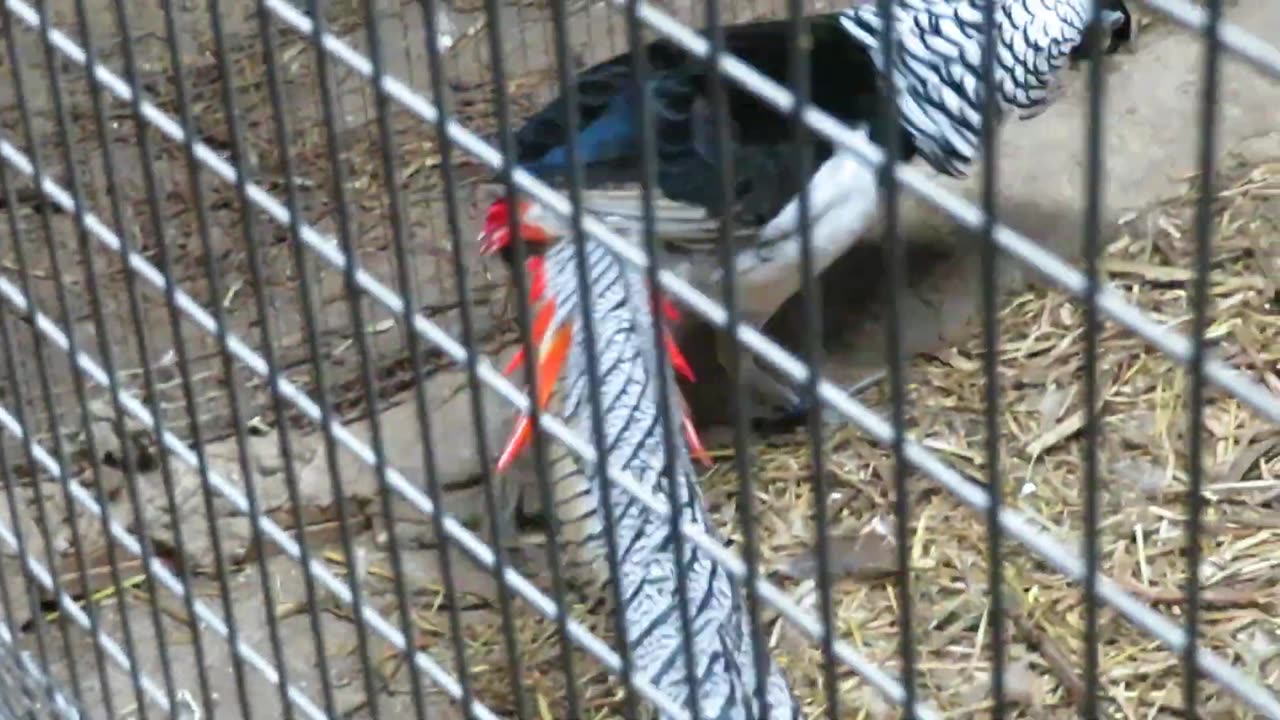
{"x":1142,"y":460}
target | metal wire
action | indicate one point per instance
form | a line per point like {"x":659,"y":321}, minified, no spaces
{"x":896,"y":272}
{"x":360,"y":285}
{"x":1092,"y":421}
{"x":648,"y":170}
{"x":595,"y":392}
{"x":990,"y":371}
{"x":18,"y":392}
{"x":1199,"y":324}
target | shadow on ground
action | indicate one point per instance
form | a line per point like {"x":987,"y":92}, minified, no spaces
{"x":942,"y":289}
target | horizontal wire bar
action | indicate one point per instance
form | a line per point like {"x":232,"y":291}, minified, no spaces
{"x":1048,"y":264}
{"x":327,"y":249}
{"x":972,"y":217}
{"x":68,"y":603}
{"x":457,"y":532}
{"x":1258,"y":53}
{"x":126,"y":539}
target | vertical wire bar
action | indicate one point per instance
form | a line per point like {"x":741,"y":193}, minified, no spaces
{"x":1199,"y":324}
{"x":991,"y":361}
{"x":31,"y":585}
{"x":395,"y":212}
{"x":106,"y":351}
{"x":79,"y":387}
{"x":19,"y":404}
{"x":38,"y":351}
{"x":284,"y":144}
{"x":1092,"y":329}
{"x":339,"y":197}
{"x":355,"y":311}
{"x":595,"y":390}
{"x":8,"y":623}
{"x":158,"y":229}
{"x":506,"y":138}
{"x":461,"y":273}
{"x":81,"y":399}
{"x":496,"y":512}
{"x":42,"y":513}
{"x":895,"y":265}
{"x":665,"y":384}
{"x":540,"y":457}
{"x":354,"y":302}
{"x":109,"y":365}
{"x":799,"y":43}
{"x":739,"y":407}
{"x":237,"y":157}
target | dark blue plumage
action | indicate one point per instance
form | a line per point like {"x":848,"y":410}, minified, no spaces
{"x":611,"y":137}
{"x":844,"y":83}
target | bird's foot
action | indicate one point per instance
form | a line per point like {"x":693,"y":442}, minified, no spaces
{"x":797,"y":416}
{"x":781,"y":419}
{"x":778,"y":406}
{"x":772,"y":403}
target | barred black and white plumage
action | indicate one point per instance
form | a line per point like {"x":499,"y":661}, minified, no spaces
{"x":633,"y":433}
{"x":937,"y":66}
{"x":938,"y":95}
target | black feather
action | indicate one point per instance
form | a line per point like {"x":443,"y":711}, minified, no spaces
{"x":844,"y":82}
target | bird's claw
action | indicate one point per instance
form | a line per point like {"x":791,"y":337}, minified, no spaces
{"x":789,"y":418}
{"x":784,"y":420}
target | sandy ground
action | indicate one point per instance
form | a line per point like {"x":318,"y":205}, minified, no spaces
{"x":1151,"y":141}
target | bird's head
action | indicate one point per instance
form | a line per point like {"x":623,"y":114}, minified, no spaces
{"x":1115,"y":30}
{"x":536,"y":225}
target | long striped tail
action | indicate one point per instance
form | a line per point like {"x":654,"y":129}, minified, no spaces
{"x":724,"y":677}
{"x":552,"y":344}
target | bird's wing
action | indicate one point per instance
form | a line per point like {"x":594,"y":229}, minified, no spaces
{"x":597,"y":88}
{"x":676,"y":224}
{"x":843,"y":199}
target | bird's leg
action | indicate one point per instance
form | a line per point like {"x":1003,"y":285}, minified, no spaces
{"x":773,"y":398}
{"x":843,"y":198}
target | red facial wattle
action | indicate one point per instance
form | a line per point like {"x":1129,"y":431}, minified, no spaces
{"x":497,"y":227}
{"x":551,"y":345}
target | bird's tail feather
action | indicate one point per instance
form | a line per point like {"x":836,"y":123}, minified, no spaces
{"x":723,"y":678}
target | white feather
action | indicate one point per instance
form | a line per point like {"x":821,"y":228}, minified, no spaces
{"x":843,"y":197}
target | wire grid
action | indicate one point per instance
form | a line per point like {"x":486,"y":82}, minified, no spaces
{"x":185,"y":385}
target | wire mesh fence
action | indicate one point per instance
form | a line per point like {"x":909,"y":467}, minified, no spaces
{"x":252,"y":397}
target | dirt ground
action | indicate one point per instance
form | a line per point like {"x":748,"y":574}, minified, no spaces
{"x":1150,"y":149}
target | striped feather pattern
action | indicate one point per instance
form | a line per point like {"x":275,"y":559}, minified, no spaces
{"x":938,"y":65}
{"x":648,"y":565}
